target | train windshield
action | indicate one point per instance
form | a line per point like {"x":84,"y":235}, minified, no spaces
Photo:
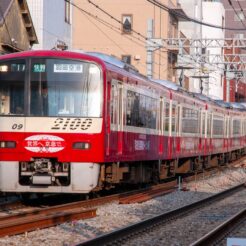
{"x":12,"y":81}
{"x":51,"y":87}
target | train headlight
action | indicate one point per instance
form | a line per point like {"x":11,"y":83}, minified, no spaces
{"x":81,"y":145}
{"x":7,"y":144}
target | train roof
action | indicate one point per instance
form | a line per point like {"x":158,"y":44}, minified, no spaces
{"x":108,"y":59}
{"x":167,"y":83}
{"x":239,"y":106}
{"x":223,"y":104}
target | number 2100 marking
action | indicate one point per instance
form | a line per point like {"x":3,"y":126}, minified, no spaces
{"x":71,"y":124}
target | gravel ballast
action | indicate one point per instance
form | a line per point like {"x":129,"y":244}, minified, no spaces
{"x":113,"y":216}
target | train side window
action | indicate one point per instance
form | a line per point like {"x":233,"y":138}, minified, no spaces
{"x":218,"y":125}
{"x":160,"y":117}
{"x":141,"y":110}
{"x":174,"y":119}
{"x":166,"y":117}
{"x":190,"y":120}
{"x":209,"y":118}
{"x":132,"y":110}
{"x":114,"y":104}
{"x":144,"y":116}
{"x":152,"y":113}
{"x":203,"y":122}
{"x":236,"y":127}
{"x":244,"y":122}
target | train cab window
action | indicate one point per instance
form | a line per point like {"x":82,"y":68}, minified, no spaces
{"x":12,"y":77}
{"x":65,"y":88}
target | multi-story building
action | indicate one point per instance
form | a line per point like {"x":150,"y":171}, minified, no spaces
{"x":16,"y":29}
{"x":235,"y":17}
{"x":203,"y":78}
{"x":121,"y":29}
{"x":215,"y":82}
{"x":52,"y":21}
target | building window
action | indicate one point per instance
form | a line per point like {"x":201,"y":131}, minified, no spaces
{"x":127,"y":23}
{"x":67,"y":12}
{"x":126,"y":59}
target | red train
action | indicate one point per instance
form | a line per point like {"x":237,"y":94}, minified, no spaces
{"x":77,"y":122}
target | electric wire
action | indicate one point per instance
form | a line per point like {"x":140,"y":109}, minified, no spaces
{"x":175,"y":13}
{"x":237,"y":14}
{"x":118,"y":30}
{"x":134,"y":31}
{"x":240,"y":6}
{"x":121,"y":23}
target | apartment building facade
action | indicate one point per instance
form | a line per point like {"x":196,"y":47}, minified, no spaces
{"x":121,"y":29}
{"x":235,"y":17}
{"x":203,"y":78}
{"x":53,"y":23}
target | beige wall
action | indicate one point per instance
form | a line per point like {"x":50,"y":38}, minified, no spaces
{"x":91,"y":35}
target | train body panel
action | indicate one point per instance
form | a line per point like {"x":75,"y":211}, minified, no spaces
{"x":71,"y":122}
{"x":83,"y":178}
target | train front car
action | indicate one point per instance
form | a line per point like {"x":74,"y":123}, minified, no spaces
{"x":51,"y":126}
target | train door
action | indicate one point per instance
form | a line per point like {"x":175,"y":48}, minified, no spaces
{"x":160,"y":125}
{"x":178,"y":120}
{"x":203,"y":132}
{"x":178,"y":125}
{"x":209,"y":130}
{"x":116,"y":117}
{"x":173,"y":121}
{"x":227,"y":132}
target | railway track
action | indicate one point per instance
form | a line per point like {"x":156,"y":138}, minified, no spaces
{"x":122,"y":236}
{"x":23,"y":221}
{"x":43,"y":217}
{"x":219,"y":234}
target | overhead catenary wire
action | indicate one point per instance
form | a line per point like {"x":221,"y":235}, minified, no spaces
{"x":237,"y":14}
{"x":134,"y":31}
{"x":109,"y":25}
{"x":114,"y":28}
{"x":240,"y":6}
{"x":175,"y":13}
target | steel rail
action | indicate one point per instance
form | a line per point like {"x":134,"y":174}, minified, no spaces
{"x":117,"y":236}
{"x":220,"y":232}
{"x":37,"y":221}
